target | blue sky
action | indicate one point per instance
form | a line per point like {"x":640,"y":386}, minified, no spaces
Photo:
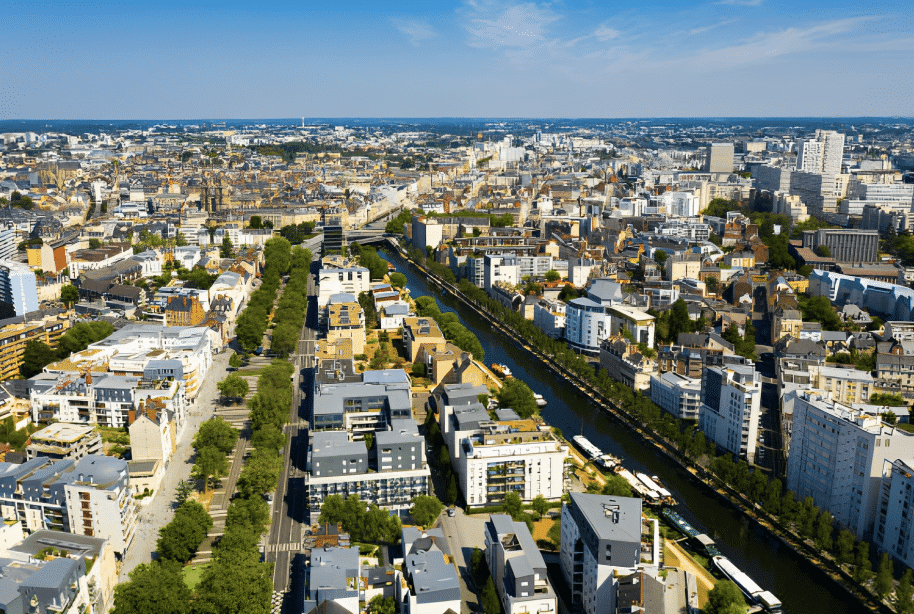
{"x":97,"y":60}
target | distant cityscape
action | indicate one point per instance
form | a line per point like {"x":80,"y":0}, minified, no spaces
{"x":244,"y":364}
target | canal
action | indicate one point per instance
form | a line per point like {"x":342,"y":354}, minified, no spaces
{"x":801,"y":587}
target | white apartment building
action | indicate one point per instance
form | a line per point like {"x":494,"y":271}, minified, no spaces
{"x":639,"y":323}
{"x":676,"y":394}
{"x":894,"y":529}
{"x":837,"y":457}
{"x":492,"y":458}
{"x":730,"y":407}
{"x":517,"y":567}
{"x":332,"y":281}
{"x":821,"y":154}
{"x":549,"y":316}
{"x":586,"y":325}
{"x":601,"y":538}
{"x":676,"y":204}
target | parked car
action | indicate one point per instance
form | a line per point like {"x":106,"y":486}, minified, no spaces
{"x":451,"y":512}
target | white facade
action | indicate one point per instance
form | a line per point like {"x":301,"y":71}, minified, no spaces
{"x":586,"y":325}
{"x":837,"y":457}
{"x":894,"y":530}
{"x":822,"y":154}
{"x":639,"y":323}
{"x":549,"y":316}
{"x":677,"y":394}
{"x":18,"y":287}
{"x":353,"y":281}
{"x":730,"y":408}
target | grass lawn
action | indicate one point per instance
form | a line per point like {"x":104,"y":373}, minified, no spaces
{"x":192,"y":574}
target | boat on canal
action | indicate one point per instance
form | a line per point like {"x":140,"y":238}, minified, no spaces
{"x":540,"y":400}
{"x":595,"y":454}
{"x":753,"y":592}
{"x":501,"y":371}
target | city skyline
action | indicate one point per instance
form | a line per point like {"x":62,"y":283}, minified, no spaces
{"x":734,"y":58}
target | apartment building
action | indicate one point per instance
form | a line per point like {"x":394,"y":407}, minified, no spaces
{"x":730,"y":408}
{"x":837,"y":457}
{"x":16,"y":332}
{"x":418,"y":332}
{"x":549,"y":317}
{"x":676,"y":394}
{"x":847,"y":386}
{"x":601,"y":538}
{"x":821,"y":154}
{"x":61,"y":440}
{"x":586,"y":325}
{"x":625,"y":363}
{"x":333,"y":576}
{"x":353,"y":280}
{"x":845,"y":245}
{"x":184,"y":311}
{"x":895,"y":520}
{"x":90,"y":496}
{"x":518,"y":568}
{"x":346,"y":320}
{"x":681,"y":266}
{"x":429,"y":583}
{"x":18,"y":289}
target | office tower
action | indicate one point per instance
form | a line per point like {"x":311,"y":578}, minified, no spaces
{"x":845,"y":244}
{"x":894,"y":519}
{"x":821,"y":154}
{"x":720,"y":158}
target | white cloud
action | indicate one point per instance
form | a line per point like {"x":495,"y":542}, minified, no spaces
{"x":521,"y":26}
{"x":416,"y":31}
{"x":605,"y":33}
{"x":710,"y":27}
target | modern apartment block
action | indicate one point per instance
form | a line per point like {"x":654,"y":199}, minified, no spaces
{"x":601,"y":538}
{"x":845,"y":245}
{"x":837,"y":456}
{"x":333,"y":576}
{"x":429,"y":583}
{"x":60,"y":440}
{"x":90,"y":496}
{"x":347,"y":407}
{"x":495,"y":457}
{"x":676,"y":394}
{"x":894,"y":528}
{"x":18,"y":289}
{"x":16,"y":332}
{"x":518,"y":568}
{"x":821,"y":154}
{"x":730,"y":405}
{"x":354,"y":281}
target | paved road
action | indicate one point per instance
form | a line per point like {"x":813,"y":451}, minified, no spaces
{"x":463,"y":533}
{"x":288,"y":513}
{"x":159,"y":512}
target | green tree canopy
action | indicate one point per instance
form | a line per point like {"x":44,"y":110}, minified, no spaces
{"x":36,"y":356}
{"x":217,"y":433}
{"x":723,"y":596}
{"x":514,"y":505}
{"x":515,"y":393}
{"x":233,"y":387}
{"x":398,"y":280}
{"x":210,"y":463}
{"x":69,"y":295}
{"x":552,"y":275}
{"x":179,"y":539}
{"x":154,"y":588}
{"x":260,"y":474}
{"x":426,"y":509}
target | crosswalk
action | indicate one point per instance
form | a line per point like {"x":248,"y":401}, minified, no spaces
{"x":288,"y":547}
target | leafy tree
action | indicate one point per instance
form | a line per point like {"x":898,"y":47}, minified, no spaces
{"x":616,"y":486}
{"x":823,"y":252}
{"x":418,"y":369}
{"x":226,"y":250}
{"x":380,"y":604}
{"x":398,"y":280}
{"x":679,"y":320}
{"x":488,"y":598}
{"x":260,"y":474}
{"x":555,"y":532}
{"x":824,"y":528}
{"x":179,"y":539}
{"x":233,"y":387}
{"x":904,"y":593}
{"x":883,"y":584}
{"x":180,"y":240}
{"x":568,"y":293}
{"x":552,"y":275}
{"x":660,"y":256}
{"x":844,"y":546}
{"x":256,"y":222}
{"x":154,"y":588}
{"x":216,"y":433}
{"x":250,"y":514}
{"x":515,"y":394}
{"x":285,"y":339}
{"x":35,"y":358}
{"x":426,"y":509}
{"x":211,"y":463}
{"x":863,"y":567}
{"x":81,"y":335}
{"x":69,"y":295}
{"x":719,"y":207}
{"x":514,"y":505}
{"x":236,"y":582}
{"x":540,"y":505}
{"x":888,"y":399}
{"x":268,"y":438}
{"x":723,"y":596}
{"x":94,"y":243}
{"x":451,"y":492}
{"x":183,"y":491}
{"x":235,"y":361}
{"x":819,"y":309}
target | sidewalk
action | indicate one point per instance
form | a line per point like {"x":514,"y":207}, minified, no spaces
{"x":158,"y":513}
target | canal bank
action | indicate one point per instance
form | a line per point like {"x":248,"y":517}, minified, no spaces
{"x":800,"y":585}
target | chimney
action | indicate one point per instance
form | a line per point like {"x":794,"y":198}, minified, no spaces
{"x":185,"y":301}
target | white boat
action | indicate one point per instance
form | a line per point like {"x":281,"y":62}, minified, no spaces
{"x":592,"y":451}
{"x":540,"y":401}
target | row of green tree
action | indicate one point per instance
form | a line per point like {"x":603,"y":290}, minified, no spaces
{"x":368,"y":524}
{"x":453,"y":330}
{"x":297,"y":233}
{"x":38,"y":354}
{"x":293,"y":304}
